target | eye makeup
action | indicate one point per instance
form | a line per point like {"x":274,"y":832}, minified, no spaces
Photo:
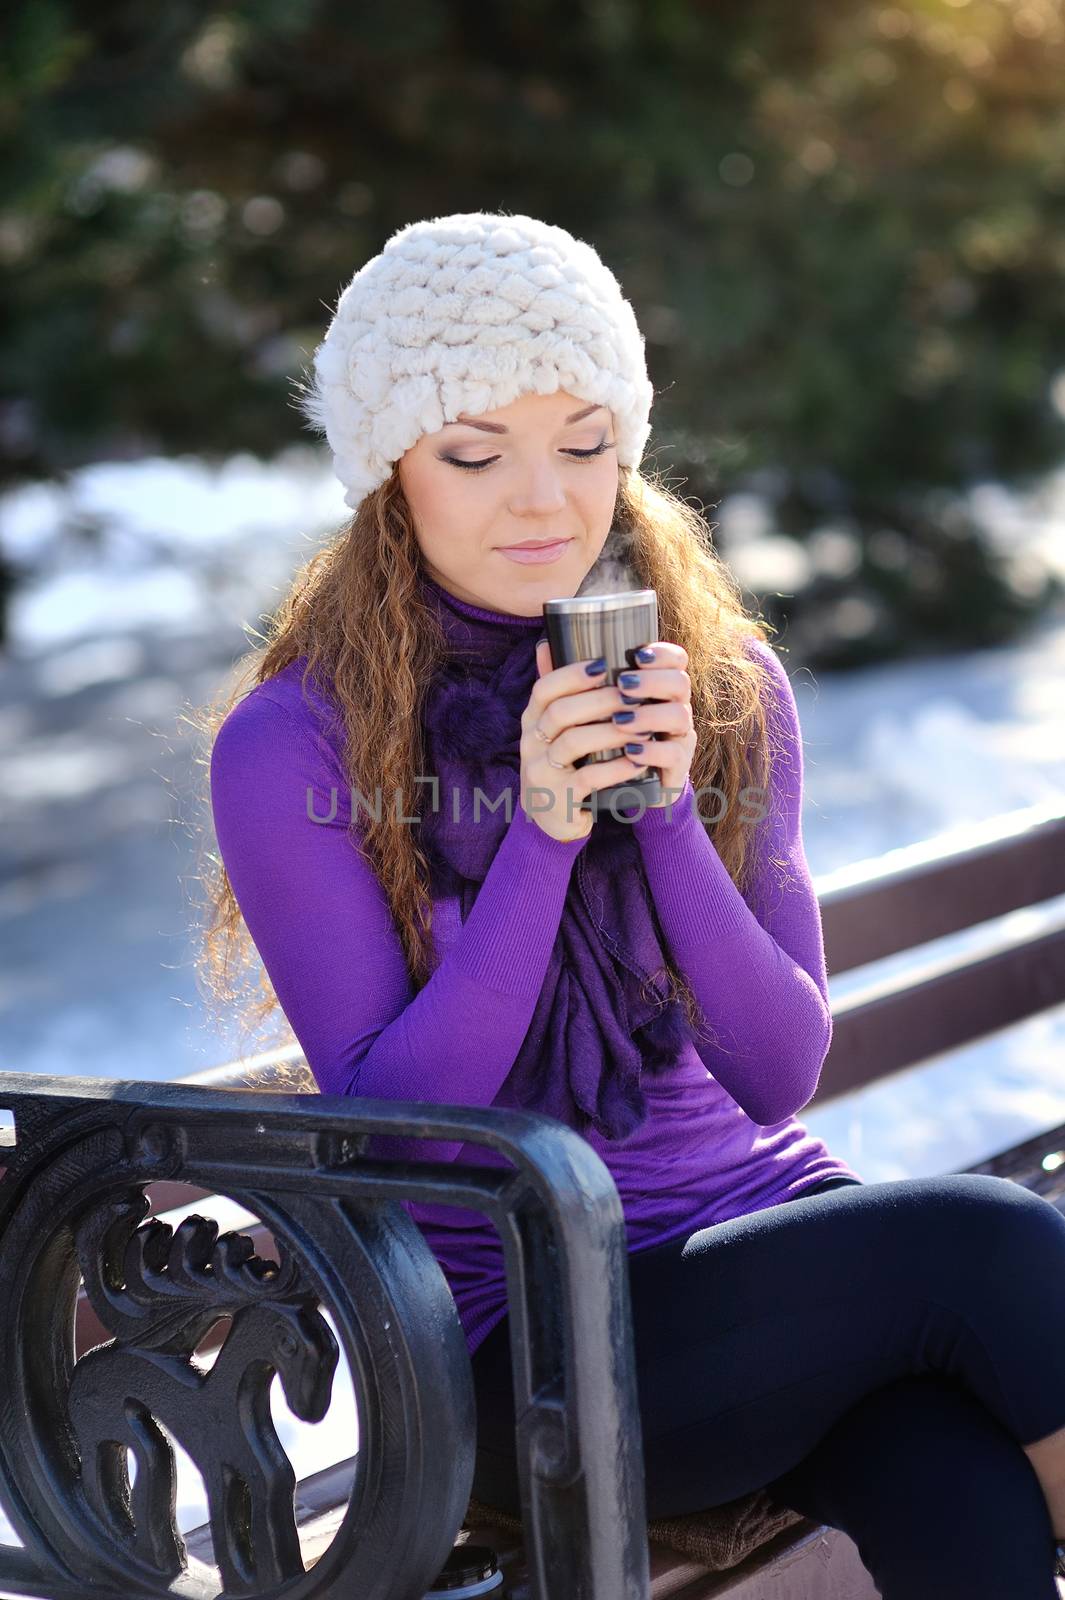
{"x":479,"y":466}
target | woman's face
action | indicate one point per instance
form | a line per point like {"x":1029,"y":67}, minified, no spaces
{"x":552,"y":474}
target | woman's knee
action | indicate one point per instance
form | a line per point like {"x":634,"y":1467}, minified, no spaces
{"x":992,"y":1231}
{"x":995,"y":1311}
{"x":1013,"y":1234}
{"x":1010,"y":1207}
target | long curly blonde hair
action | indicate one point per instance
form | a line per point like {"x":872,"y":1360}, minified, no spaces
{"x":354,"y":610}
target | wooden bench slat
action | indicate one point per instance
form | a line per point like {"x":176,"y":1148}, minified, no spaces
{"x":904,"y":1020}
{"x":866,"y":921}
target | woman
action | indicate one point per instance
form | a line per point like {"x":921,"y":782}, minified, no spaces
{"x":879,"y":1359}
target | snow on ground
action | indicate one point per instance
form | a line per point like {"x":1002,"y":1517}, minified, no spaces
{"x":152,"y":572}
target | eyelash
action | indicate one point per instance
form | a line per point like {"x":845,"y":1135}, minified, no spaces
{"x":479,"y":466}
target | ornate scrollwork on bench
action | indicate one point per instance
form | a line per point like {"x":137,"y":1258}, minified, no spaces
{"x":160,"y":1290}
{"x":352,"y":1275}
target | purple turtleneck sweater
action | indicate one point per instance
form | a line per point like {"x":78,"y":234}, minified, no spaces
{"x":721,"y":1137}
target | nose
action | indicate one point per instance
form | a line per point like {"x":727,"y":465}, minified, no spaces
{"x":541,"y":490}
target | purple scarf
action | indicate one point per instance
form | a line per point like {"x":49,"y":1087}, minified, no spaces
{"x":592,"y":1018}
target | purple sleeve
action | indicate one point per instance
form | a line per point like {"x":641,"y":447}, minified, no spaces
{"x":762,"y":985}
{"x":322,"y":926}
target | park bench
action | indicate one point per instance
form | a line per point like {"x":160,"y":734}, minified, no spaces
{"x":93,"y":1166}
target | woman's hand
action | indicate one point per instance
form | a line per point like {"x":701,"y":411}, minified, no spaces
{"x":568,"y":716}
{"x":667,"y":691}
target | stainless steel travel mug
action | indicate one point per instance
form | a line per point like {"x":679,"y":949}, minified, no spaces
{"x":614,"y":626}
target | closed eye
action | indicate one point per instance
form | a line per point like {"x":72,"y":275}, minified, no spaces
{"x":479,"y":466}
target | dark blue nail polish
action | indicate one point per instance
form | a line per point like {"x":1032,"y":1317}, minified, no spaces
{"x":645,"y":653}
{"x":632,"y":699}
{"x":629,"y":680}
{"x":624,"y":716}
{"x":633,"y":749}
{"x":594,"y":668}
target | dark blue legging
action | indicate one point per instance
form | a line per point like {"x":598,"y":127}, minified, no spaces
{"x":874,"y":1355}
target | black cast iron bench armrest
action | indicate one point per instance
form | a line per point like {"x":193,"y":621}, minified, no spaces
{"x":72,"y":1201}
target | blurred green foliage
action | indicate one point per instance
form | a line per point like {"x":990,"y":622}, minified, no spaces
{"x":840,"y":225}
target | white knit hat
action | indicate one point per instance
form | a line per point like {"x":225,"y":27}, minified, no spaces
{"x":466,"y":313}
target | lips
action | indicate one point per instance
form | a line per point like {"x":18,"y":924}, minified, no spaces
{"x":533,"y":544}
{"x":535,"y":555}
